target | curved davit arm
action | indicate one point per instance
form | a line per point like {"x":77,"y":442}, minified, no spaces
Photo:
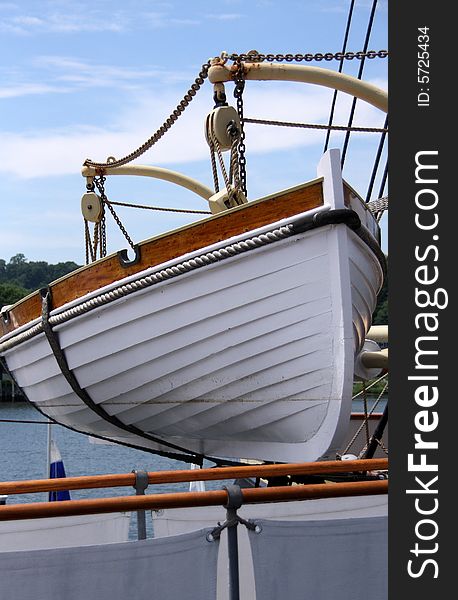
{"x":158,"y":173}
{"x":219,"y":73}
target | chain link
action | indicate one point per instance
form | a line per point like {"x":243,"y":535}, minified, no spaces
{"x":188,"y":97}
{"x":103,"y":235}
{"x":254,"y":56}
{"x":238,"y":94}
{"x":100,"y":183}
{"x":234,"y":173}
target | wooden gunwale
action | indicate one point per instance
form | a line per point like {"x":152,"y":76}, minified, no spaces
{"x":160,"y":477}
{"x":168,"y":246}
{"x":190,"y":499}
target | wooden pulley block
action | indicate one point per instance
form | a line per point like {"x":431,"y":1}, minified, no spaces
{"x":217,"y":123}
{"x":92,"y":207}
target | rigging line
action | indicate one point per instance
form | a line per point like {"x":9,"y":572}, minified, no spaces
{"x":177,"y":210}
{"x":316,"y":126}
{"x":377,"y":162}
{"x":24,"y":421}
{"x":384,"y":178}
{"x":360,"y":74}
{"x":379,"y":214}
{"x":384,"y":376}
{"x":344,"y":48}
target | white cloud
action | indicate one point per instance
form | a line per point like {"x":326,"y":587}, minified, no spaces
{"x":68,"y":69}
{"x":63,"y":74}
{"x":30,"y":89}
{"x":71,"y":18}
{"x":224,"y":16}
{"x":94,"y":18}
{"x":62,"y":151}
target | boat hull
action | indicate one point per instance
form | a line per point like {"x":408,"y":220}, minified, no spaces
{"x":242,"y":346}
{"x":251,"y":356}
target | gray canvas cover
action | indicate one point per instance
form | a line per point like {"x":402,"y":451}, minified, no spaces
{"x":344,"y":559}
{"x":182,"y":566}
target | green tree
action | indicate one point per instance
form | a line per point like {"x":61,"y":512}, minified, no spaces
{"x":32,"y":275}
{"x":11,"y":293}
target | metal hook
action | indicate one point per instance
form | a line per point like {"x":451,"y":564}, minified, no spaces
{"x":124,"y":257}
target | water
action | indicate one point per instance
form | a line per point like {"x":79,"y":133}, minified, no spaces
{"x":23,"y":455}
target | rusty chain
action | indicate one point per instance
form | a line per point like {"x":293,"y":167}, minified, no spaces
{"x":100,"y":183}
{"x":238,"y":94}
{"x":254,"y":56}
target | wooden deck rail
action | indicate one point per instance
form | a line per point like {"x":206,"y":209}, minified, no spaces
{"x":190,"y":499}
{"x":158,"y":477}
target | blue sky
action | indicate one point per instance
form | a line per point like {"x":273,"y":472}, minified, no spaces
{"x":85,"y":79}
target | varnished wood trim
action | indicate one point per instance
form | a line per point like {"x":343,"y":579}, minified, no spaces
{"x":258,"y":495}
{"x":171,"y":245}
{"x":212,"y":474}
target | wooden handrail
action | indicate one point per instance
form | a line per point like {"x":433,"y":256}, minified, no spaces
{"x":158,"y":477}
{"x":190,"y":499}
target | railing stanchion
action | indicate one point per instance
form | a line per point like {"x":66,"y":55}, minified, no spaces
{"x":234,"y":502}
{"x":141,"y":483}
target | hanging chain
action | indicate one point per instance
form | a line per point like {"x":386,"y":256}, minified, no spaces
{"x":100,"y":183}
{"x":238,"y":93}
{"x":96,"y":242}
{"x":254,"y":56}
{"x":234,"y":173}
{"x":188,"y":97}
{"x":103,"y":235}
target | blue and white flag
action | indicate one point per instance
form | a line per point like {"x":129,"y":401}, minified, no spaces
{"x":56,"y":469}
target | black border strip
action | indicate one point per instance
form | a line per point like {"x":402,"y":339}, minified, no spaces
{"x":84,"y":396}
